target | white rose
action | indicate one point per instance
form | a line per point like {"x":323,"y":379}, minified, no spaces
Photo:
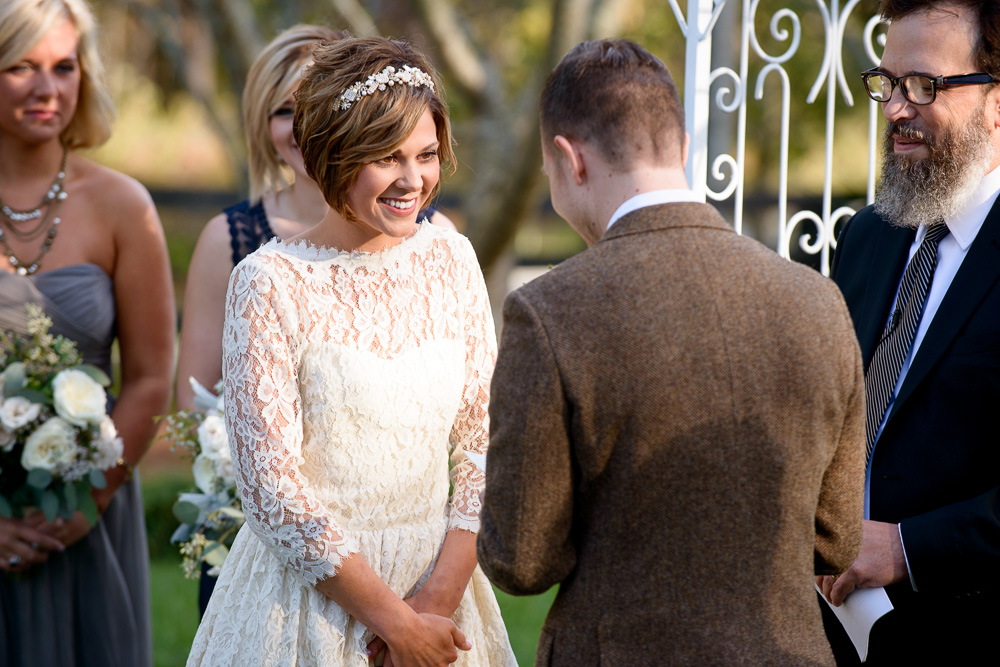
{"x":204,"y":473}
{"x":109,"y":446}
{"x":51,"y":447}
{"x":212,"y":436}
{"x":7,"y":441}
{"x":224,"y":468}
{"x":18,"y":411}
{"x":78,"y":398}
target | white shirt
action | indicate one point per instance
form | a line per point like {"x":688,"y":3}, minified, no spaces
{"x":653,"y":198}
{"x":963,"y":228}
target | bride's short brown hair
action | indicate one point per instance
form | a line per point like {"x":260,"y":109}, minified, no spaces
{"x":337,"y":143}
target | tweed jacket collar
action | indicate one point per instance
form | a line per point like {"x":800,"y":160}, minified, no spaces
{"x":676,"y":215}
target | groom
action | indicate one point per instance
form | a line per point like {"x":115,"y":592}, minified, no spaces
{"x":677,"y":421}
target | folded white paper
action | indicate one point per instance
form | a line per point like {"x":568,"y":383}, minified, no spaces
{"x":858,"y":614}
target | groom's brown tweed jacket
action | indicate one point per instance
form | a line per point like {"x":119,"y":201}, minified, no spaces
{"x":677,"y":438}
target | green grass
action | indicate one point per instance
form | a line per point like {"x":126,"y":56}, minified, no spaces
{"x":175,"y":599}
{"x":523,"y":617}
{"x":175,"y":612}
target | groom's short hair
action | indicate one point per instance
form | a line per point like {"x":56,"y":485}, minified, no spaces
{"x":617,"y":96}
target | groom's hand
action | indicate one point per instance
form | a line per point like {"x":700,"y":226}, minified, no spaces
{"x":880,"y":563}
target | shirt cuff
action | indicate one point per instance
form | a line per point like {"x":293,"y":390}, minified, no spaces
{"x":909,"y":572}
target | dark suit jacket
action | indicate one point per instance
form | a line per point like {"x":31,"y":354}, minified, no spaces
{"x":936,"y":466}
{"x":677,"y":438}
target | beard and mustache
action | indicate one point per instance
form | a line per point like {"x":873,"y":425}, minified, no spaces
{"x":912,"y":193}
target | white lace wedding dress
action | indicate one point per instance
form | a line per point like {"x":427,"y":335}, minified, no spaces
{"x":350,"y":378}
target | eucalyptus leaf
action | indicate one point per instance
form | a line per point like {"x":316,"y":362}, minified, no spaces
{"x":186,"y":512}
{"x":215,"y":555}
{"x":182,"y":534}
{"x":6,"y":510}
{"x":95,"y":373}
{"x":32,"y":395}
{"x":39,"y":478}
{"x":50,"y":505}
{"x":13,"y":378}
{"x":97,"y":479}
{"x":69,"y":498}
{"x":89,"y":508}
{"x":233,"y":513}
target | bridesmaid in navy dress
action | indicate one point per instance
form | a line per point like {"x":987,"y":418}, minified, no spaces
{"x":283,"y":202}
{"x":85,"y":243}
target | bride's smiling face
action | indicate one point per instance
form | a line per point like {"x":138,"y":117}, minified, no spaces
{"x":390,"y":191}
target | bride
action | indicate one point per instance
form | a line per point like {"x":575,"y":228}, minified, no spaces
{"x":357,"y":359}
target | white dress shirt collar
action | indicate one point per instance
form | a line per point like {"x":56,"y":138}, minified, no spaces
{"x":653,"y":198}
{"x":965,"y":224}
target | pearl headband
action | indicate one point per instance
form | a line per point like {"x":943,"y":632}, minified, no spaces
{"x":390,"y":76}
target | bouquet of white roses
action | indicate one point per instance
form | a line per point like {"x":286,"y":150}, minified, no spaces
{"x":211,"y":516}
{"x":55,"y":434}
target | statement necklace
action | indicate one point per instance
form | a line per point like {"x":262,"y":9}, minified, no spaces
{"x":10,"y":220}
{"x":57,"y":191}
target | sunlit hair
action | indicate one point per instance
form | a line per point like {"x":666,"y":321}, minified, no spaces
{"x":336,"y":143}
{"x":618,"y":96}
{"x":987,"y":12}
{"x":273,"y":77}
{"x":23,"y":23}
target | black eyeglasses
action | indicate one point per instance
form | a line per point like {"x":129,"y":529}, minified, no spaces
{"x":917,"y":88}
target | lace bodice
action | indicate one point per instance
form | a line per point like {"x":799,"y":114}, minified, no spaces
{"x":350,"y":380}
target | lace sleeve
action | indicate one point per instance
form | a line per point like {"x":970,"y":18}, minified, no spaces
{"x":264,"y":420}
{"x":471,"y":428}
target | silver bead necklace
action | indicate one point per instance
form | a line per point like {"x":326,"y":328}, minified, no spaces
{"x":12,"y":218}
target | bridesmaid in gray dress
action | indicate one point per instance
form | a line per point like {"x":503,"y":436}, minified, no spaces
{"x":85,"y":243}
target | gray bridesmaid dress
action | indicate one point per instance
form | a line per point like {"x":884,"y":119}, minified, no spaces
{"x":88,"y":606}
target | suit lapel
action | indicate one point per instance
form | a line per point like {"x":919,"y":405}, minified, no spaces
{"x":975,"y":279}
{"x":888,"y":261}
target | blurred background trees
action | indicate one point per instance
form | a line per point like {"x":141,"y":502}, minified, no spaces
{"x":178,"y":68}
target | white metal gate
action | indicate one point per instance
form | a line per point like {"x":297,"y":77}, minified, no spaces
{"x":812,"y":230}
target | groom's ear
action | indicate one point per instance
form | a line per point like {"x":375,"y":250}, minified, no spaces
{"x":571,"y":155}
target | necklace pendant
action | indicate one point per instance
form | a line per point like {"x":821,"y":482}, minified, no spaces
{"x":21,"y":271}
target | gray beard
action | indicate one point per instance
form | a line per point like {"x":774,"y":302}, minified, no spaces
{"x":922,"y":192}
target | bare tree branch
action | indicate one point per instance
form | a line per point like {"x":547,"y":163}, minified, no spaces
{"x":186,"y":56}
{"x":507,"y":196}
{"x":359,"y":21}
{"x":244,"y":29}
{"x":466,"y":68}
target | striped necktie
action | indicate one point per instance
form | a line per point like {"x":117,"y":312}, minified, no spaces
{"x":897,"y":338}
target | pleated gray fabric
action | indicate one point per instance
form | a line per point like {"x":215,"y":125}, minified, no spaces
{"x":88,"y":606}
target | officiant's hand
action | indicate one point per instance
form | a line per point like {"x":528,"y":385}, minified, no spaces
{"x":880,"y":563}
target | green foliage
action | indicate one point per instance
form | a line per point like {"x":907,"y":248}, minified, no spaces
{"x":186,"y":512}
{"x":159,"y":493}
{"x":39,"y":479}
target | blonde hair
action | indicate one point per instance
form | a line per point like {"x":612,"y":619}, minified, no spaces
{"x":23,"y":23}
{"x":337,"y":143}
{"x":273,"y":77}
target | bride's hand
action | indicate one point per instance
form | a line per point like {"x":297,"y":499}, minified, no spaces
{"x":423,"y":601}
{"x":433,"y":642}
